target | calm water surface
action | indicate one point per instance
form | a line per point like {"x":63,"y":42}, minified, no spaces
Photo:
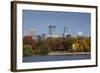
{"x":56,"y":58}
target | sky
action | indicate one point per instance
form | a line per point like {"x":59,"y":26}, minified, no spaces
{"x":40,"y":20}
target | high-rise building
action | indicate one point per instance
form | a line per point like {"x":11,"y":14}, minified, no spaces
{"x":43,"y":36}
{"x":80,"y":34}
{"x":65,"y":32}
{"x":32,"y":32}
{"x":52,"y":29}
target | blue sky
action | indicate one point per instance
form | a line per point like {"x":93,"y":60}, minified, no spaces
{"x":40,"y":20}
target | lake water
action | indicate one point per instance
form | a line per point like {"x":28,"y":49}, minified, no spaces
{"x":57,"y":58}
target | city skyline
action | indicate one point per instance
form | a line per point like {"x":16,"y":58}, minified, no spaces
{"x":40,"y":21}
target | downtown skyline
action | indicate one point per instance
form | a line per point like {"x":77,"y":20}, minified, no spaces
{"x":40,"y":20}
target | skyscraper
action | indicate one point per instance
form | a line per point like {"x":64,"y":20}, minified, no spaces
{"x":32,"y":32}
{"x":52,"y":29}
{"x":65,"y":31}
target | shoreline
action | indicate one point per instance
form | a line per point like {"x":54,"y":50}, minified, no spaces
{"x":63,"y":53}
{"x":68,"y":53}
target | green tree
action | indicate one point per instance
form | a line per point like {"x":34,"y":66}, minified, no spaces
{"x":42,"y":48}
{"x":27,"y":50}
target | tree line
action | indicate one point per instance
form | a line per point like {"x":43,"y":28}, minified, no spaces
{"x":43,"y":47}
